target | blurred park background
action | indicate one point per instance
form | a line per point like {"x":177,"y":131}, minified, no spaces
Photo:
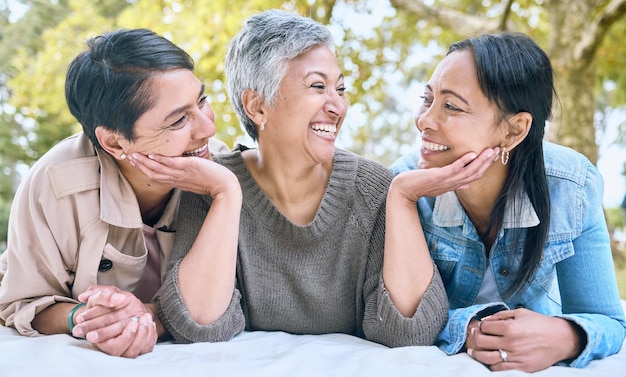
{"x":387,"y":49}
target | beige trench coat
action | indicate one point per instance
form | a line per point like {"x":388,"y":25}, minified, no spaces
{"x":75,"y":222}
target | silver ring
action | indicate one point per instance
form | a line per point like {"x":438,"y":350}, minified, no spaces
{"x":136,"y":319}
{"x":504,"y":355}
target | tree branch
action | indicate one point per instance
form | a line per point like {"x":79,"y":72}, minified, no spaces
{"x":585,"y":50}
{"x":505,"y":15}
{"x":459,"y":22}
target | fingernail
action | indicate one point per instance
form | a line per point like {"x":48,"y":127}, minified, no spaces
{"x":92,"y":336}
{"x":78,"y":332}
{"x":134,"y":325}
{"x":151,"y":156}
{"x":146,"y":319}
{"x":489,"y":153}
{"x":470,"y":351}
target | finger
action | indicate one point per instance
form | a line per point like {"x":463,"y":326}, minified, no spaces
{"x":117,"y":346}
{"x":98,"y":318}
{"x":159,"y":165}
{"x":107,"y":297}
{"x":488,"y":357}
{"x":145,"y":337}
{"x":104,"y":333}
{"x":501,"y":315}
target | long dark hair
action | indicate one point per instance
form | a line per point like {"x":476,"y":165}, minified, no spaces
{"x":516,"y":75}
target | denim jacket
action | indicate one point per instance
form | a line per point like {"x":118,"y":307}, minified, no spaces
{"x":576,"y":277}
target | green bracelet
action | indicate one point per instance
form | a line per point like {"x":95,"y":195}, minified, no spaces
{"x":70,"y":317}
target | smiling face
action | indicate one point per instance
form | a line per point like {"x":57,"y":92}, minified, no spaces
{"x":179,"y":123}
{"x":456,"y":117}
{"x":309,"y":109}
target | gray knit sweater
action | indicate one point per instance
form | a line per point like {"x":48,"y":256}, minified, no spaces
{"x":324,"y":277}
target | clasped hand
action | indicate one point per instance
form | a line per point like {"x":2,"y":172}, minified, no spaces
{"x":116,"y":322}
{"x":529,"y":341}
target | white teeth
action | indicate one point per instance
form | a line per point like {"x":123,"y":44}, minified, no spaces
{"x":196,"y":152}
{"x":325,"y":129}
{"x":434,"y":147}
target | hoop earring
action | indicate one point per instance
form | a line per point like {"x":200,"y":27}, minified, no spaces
{"x":504,"y":156}
{"x":262,"y":125}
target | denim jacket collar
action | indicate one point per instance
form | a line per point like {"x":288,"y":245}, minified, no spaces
{"x":448,"y":212}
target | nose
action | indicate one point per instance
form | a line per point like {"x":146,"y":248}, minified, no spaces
{"x":205,"y":126}
{"x":336,"y":104}
{"x":425,"y":118}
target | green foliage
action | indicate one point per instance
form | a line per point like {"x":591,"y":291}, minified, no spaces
{"x":35,"y":51}
{"x":615,"y":218}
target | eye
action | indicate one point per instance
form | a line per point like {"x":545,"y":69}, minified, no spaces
{"x":202,"y":101}
{"x":426,"y":100}
{"x":180,"y":122}
{"x":341,"y":90}
{"x":451,"y":107}
{"x":318,"y":86}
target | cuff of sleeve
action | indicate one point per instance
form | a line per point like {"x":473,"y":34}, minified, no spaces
{"x":422,"y":328}
{"x":455,"y":337}
{"x":591,"y":342}
{"x":176,"y":318}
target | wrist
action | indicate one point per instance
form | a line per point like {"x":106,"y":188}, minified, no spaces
{"x":70,"y":317}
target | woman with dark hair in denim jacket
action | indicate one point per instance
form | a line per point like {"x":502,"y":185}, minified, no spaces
{"x":524,"y":250}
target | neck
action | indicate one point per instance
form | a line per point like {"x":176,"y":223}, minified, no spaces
{"x":152,"y":197}
{"x":295,"y":189}
{"x":478,"y":200}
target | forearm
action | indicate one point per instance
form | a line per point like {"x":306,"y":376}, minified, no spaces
{"x":206,"y":274}
{"x":408,"y":267}
{"x":54,"y":319}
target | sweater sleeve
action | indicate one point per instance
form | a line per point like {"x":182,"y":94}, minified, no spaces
{"x":171,"y":307}
{"x":382,"y":322}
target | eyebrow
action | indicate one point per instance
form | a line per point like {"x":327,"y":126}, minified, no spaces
{"x":322,"y":74}
{"x":183,"y":108}
{"x":451,"y":92}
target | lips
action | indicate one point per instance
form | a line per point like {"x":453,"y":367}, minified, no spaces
{"x":324,"y":129}
{"x":197,"y":152}
{"x":434,"y":147}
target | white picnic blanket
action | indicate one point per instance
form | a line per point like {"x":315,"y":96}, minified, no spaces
{"x":253,"y":354}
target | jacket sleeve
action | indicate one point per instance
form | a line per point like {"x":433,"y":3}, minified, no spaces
{"x":454,"y":335}
{"x":171,"y":307}
{"x":36,"y":270}
{"x":592,"y":301}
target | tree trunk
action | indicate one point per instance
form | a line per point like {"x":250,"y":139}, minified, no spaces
{"x":575,"y":78}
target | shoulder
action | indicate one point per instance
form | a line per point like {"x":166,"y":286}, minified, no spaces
{"x":368,"y":171}
{"x":70,"y":166}
{"x":406,"y":162}
{"x":565,"y":165}
{"x":371,"y":178}
{"x":571,"y":176}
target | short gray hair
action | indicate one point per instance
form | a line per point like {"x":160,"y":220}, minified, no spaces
{"x":258,"y":56}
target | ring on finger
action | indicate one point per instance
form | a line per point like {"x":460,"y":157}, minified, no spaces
{"x":503,"y":355}
{"x":134,"y":319}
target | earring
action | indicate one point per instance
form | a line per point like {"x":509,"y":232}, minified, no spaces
{"x":262,"y":125}
{"x":123,"y":156}
{"x":504,"y":156}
